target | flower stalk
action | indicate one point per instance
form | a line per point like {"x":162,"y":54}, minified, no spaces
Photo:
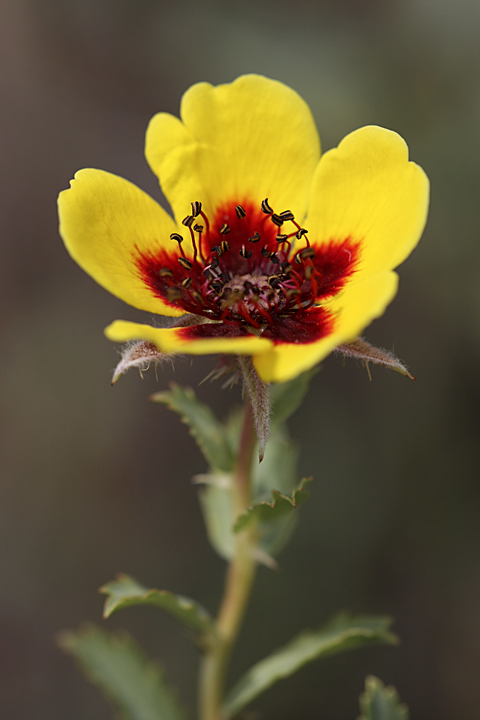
{"x":238,"y":584}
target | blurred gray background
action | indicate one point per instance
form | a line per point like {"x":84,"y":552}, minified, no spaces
{"x":96,"y":480}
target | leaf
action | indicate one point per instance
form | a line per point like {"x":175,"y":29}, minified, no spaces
{"x":135,"y":685}
{"x":275,"y":476}
{"x":204,"y":426}
{"x":278,"y":471}
{"x":125,"y":592}
{"x":217,"y":503}
{"x":287,"y":397}
{"x":362,"y":350}
{"x":342,"y":633}
{"x":381,"y":703}
{"x":265,"y":512}
{"x":258,"y":394}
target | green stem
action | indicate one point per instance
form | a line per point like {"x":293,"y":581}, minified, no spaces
{"x":238,"y":584}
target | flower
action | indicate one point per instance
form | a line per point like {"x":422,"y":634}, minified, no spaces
{"x":274,"y":252}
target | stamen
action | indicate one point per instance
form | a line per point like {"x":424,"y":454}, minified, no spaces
{"x":309,"y":270}
{"x":196,"y":208}
{"x":243,"y":311}
{"x":310,"y":273}
{"x":173,"y":294}
{"x":207,"y":224}
{"x":301,"y":232}
{"x":197,"y":296}
{"x":266,"y":207}
{"x":185,"y":263}
{"x":235,"y":294}
{"x":308,"y":252}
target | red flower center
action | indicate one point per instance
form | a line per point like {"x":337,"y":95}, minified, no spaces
{"x":250,"y":267}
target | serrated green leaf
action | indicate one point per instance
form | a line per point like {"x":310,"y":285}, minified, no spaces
{"x":287,"y":397}
{"x":204,"y":426}
{"x":276,"y":474}
{"x":381,"y":703}
{"x":218,"y":509}
{"x":275,"y":520}
{"x":117,"y":665}
{"x":125,"y":592}
{"x":267,"y":512}
{"x":342,"y":633}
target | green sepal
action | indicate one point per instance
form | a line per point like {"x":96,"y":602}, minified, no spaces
{"x":343,"y":632}
{"x":119,"y":668}
{"x":286,"y":398}
{"x":125,"y":592}
{"x":208,"y":432}
{"x":218,"y":509}
{"x":381,"y":703}
{"x":266,"y":512}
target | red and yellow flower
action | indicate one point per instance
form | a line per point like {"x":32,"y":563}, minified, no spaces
{"x":274,"y":251}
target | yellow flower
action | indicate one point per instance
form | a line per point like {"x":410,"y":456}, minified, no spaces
{"x":274,"y":252}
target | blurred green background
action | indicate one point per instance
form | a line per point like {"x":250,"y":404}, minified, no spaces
{"x":96,"y":480}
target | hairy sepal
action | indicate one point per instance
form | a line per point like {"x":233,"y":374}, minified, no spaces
{"x":140,"y":354}
{"x":360,"y":349}
{"x":258,"y":394}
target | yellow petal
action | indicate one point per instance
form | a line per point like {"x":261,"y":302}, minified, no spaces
{"x":177,"y":340}
{"x":104,"y":220}
{"x":249,"y":140}
{"x":353,"y":310}
{"x":366,"y":190}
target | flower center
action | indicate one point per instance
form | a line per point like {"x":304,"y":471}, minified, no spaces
{"x":249,"y":266}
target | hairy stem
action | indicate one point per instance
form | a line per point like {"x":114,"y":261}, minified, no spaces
{"x":238,"y":584}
